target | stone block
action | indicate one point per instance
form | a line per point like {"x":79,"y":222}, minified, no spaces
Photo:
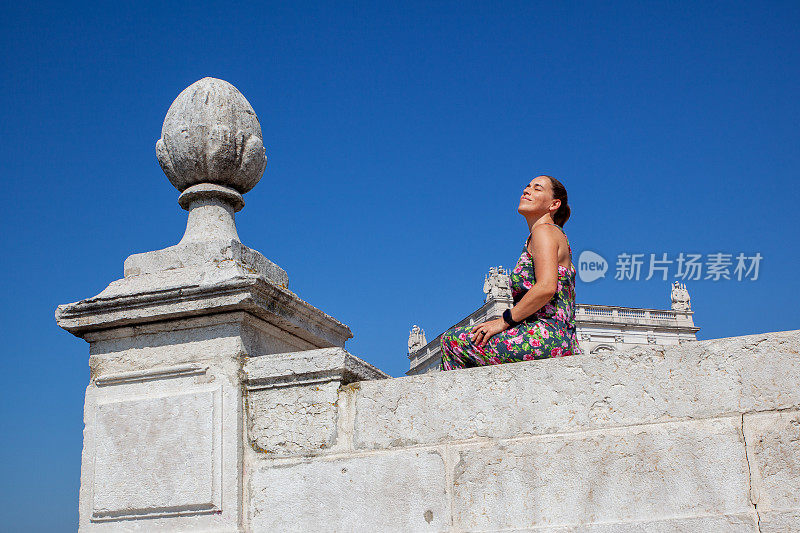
{"x":779,"y":522}
{"x":740,"y":523}
{"x":293,"y":398}
{"x":393,"y":491}
{"x":157,"y":456}
{"x":648,"y":473}
{"x":644,"y":385}
{"x":773,"y":449}
{"x":293,"y":420}
{"x":307,"y":366}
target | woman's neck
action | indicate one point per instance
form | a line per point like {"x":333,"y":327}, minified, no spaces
{"x":544,"y":219}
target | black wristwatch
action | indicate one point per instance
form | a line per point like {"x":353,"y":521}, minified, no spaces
{"x":508,"y":320}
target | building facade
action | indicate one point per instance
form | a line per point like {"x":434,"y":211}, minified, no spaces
{"x":601,"y":328}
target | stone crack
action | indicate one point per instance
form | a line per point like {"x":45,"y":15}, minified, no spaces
{"x":750,"y":479}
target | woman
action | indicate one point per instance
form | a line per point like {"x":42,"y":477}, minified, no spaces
{"x":542,"y":322}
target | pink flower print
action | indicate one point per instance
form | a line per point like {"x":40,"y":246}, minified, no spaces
{"x":524,"y":274}
{"x":561,"y":315}
{"x":549,"y":308}
{"x":527,"y":357}
{"x":557,"y":352}
{"x":535,"y":342}
{"x":463,"y":336}
{"x":544,"y":332}
{"x":559,"y":287}
{"x":527,"y":284}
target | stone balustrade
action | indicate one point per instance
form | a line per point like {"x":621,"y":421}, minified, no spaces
{"x":587,"y":313}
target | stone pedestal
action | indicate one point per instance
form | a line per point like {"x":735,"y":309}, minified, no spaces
{"x":173,"y":344}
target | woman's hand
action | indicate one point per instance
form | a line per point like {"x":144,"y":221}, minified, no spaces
{"x":481,"y":333}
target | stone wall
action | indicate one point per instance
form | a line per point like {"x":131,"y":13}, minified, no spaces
{"x":698,"y":437}
{"x":220,"y":401}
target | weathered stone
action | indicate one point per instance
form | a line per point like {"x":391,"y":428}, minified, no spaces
{"x":293,"y":398}
{"x":180,"y":293}
{"x":779,"y":522}
{"x":658,"y":471}
{"x":397,"y":491}
{"x":698,"y":380}
{"x":160,"y":448}
{"x":292,"y":420}
{"x":155,"y":455}
{"x":309,"y":366}
{"x":211,"y":135}
{"x":741,"y":523}
{"x":164,"y":438}
{"x":773,"y":449}
{"x":208,"y":408}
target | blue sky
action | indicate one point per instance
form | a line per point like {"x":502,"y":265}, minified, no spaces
{"x":399,"y":138}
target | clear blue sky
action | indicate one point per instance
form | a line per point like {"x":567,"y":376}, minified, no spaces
{"x":399,"y":138}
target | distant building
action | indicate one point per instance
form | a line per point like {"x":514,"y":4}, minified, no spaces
{"x":600,"y":327}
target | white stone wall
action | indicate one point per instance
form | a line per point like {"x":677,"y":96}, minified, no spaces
{"x":699,"y":437}
{"x":219,"y":401}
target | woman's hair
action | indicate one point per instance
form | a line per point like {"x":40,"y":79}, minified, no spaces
{"x":561,"y":216}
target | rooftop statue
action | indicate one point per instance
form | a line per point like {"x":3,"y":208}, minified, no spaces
{"x":680,"y":297}
{"x":416,"y":339}
{"x":497,"y":284}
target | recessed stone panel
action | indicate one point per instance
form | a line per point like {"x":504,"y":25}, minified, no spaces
{"x":157,"y":456}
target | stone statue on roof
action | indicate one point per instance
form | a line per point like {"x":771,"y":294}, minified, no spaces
{"x":497,"y":284}
{"x":680,"y":297}
{"x":416,"y":339}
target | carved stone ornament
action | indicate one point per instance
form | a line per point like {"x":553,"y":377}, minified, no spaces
{"x":680,"y":297}
{"x":212,"y":151}
{"x":211,"y":135}
{"x":416,"y":339}
{"x":497,"y":284}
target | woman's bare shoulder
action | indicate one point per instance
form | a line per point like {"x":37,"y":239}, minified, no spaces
{"x":546,"y":231}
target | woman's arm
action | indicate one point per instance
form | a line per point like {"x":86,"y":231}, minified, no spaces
{"x":545,"y":264}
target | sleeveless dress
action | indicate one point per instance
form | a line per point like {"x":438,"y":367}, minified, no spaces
{"x":549,"y":332}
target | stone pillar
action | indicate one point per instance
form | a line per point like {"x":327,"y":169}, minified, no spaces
{"x":164,"y":414}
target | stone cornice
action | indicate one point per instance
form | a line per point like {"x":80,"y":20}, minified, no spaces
{"x":619,"y":324}
{"x":118,"y":308}
{"x":308,"y":367}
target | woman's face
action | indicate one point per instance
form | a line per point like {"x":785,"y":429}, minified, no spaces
{"x":537,"y":198}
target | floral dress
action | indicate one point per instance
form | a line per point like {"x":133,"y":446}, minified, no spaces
{"x":549,"y":332}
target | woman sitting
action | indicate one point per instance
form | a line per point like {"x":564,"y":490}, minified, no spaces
{"x":542,"y":322}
